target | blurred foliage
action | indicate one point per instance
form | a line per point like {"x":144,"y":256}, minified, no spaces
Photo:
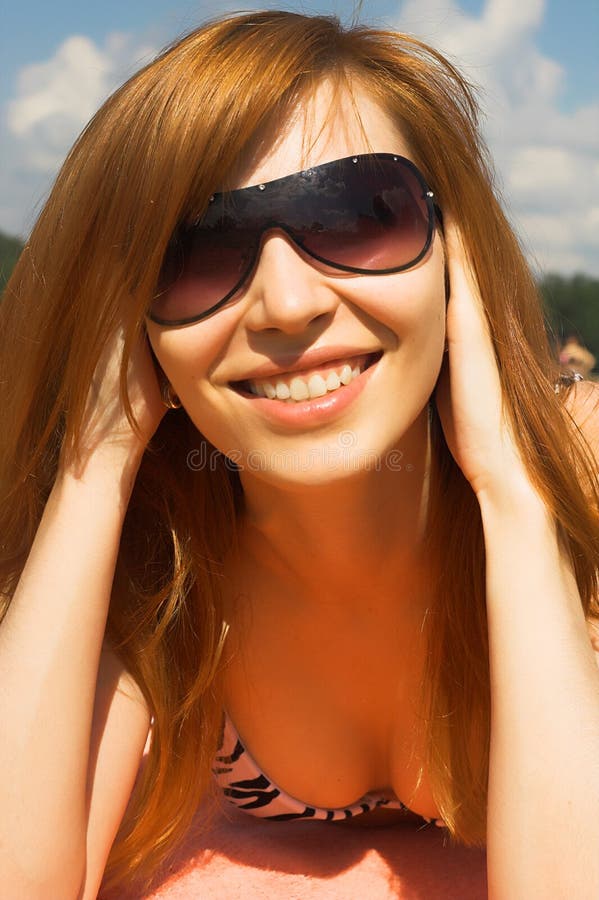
{"x":571,"y":303}
{"x":10,"y":250}
{"x":572,"y":306}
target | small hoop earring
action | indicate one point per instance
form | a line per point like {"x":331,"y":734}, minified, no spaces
{"x":169,"y":398}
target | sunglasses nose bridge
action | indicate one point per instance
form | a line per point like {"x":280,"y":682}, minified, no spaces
{"x":274,"y":226}
{"x":285,"y":234}
{"x":255,"y":245}
{"x":286,"y":291}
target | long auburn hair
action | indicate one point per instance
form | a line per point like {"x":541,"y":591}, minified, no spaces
{"x":148,"y":160}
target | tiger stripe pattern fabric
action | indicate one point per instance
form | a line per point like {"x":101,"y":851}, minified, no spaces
{"x":248,"y":788}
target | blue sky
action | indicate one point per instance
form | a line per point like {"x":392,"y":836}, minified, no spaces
{"x":568,"y":33}
{"x":535,"y":59}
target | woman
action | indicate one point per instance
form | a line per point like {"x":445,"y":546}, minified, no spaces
{"x":272,"y":209}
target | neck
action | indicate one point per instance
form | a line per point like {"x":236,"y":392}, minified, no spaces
{"x":342,"y":542}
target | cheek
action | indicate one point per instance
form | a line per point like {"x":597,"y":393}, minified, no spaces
{"x":411,"y":306}
{"x":187,"y":355}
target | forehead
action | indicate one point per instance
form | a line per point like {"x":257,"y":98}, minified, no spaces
{"x":328,"y":125}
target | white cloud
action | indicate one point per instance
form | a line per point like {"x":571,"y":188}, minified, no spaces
{"x":53,"y":102}
{"x":57,"y":97}
{"x":476,"y":41}
{"x":545,"y":157}
{"x":550,"y":173}
{"x":69,"y":87}
{"x":556,"y":242}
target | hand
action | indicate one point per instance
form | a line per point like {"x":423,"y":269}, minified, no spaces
{"x":468,"y":395}
{"x":105,"y":427}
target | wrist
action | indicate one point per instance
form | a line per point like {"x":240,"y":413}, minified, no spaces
{"x":515,"y":499}
{"x":109,"y":466}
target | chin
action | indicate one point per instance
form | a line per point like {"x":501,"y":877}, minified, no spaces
{"x":316,"y":466}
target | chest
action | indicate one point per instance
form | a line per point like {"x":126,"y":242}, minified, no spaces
{"x":329,"y":705}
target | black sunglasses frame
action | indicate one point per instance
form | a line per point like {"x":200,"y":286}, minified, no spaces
{"x":434,"y":216}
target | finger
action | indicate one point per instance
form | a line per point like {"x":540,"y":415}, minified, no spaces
{"x":464,"y":295}
{"x":458,"y":261}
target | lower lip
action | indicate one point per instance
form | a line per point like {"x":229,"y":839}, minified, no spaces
{"x":311,"y":412}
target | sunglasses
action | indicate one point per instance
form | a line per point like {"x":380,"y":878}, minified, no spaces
{"x":371,"y":215}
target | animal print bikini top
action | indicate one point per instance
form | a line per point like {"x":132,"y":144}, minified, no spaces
{"x":247,"y":787}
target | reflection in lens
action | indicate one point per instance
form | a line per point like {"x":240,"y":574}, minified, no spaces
{"x":388,"y":226}
{"x":367,"y":213}
{"x":201,"y":270}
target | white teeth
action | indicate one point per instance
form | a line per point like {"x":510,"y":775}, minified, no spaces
{"x":283,"y":392}
{"x":299,"y":389}
{"x":333,"y":382}
{"x":345,"y":375}
{"x":317,"y":386}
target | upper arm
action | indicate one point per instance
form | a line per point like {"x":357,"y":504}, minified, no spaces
{"x":120,"y":727}
{"x":583,"y":404}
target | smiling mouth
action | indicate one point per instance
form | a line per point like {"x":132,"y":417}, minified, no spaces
{"x":296,"y":387}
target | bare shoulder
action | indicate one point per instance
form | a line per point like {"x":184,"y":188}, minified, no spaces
{"x":593,"y":629}
{"x":582,"y":402}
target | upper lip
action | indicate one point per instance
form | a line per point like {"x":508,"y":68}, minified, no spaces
{"x":308,"y":360}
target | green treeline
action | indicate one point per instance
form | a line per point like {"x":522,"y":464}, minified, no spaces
{"x":571,"y":303}
{"x":10,"y":249}
{"x":572,"y":306}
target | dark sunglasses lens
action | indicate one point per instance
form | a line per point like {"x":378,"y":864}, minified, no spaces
{"x":200,"y":269}
{"x":387,"y":226}
{"x":372,"y":215}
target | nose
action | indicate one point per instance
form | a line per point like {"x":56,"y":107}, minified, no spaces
{"x":286,"y":291}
